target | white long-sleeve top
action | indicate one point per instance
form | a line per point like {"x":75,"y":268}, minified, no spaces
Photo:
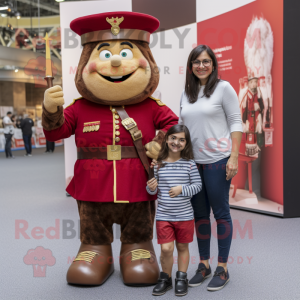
{"x":181,"y":172}
{"x":211,"y":121}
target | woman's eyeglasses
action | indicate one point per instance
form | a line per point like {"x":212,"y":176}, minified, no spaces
{"x":197,"y":63}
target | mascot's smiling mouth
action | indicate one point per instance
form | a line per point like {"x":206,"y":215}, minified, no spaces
{"x":117,"y":79}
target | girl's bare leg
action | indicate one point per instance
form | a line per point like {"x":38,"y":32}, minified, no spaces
{"x":183,"y":256}
{"x":166,"y":257}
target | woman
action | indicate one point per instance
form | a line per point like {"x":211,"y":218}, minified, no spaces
{"x":210,"y":110}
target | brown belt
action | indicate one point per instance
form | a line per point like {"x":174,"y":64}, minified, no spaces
{"x":101,"y":152}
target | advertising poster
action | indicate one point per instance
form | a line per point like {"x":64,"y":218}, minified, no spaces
{"x":248,"y":42}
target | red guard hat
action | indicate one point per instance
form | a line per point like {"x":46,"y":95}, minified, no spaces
{"x":115,"y":26}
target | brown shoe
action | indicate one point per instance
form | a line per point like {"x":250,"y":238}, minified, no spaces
{"x":92,"y":265}
{"x":138,"y":264}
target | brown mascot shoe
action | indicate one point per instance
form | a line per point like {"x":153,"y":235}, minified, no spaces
{"x":138,"y":264}
{"x":92,"y":265}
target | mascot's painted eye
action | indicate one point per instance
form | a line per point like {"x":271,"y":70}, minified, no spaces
{"x":105,"y":55}
{"x":126,"y":54}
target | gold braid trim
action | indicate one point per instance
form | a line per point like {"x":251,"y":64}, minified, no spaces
{"x":139,"y":254}
{"x":74,"y":101}
{"x":158,"y":101}
{"x":87,"y":256}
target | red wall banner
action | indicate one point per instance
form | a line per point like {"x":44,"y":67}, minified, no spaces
{"x":235,"y":36}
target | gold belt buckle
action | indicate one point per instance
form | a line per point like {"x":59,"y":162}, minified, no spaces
{"x":114,"y":152}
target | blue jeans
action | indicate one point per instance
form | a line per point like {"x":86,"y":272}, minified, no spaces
{"x":8,"y":138}
{"x":27,"y":143}
{"x":215,"y":195}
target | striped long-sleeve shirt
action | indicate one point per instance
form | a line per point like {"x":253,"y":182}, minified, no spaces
{"x":182,"y":172}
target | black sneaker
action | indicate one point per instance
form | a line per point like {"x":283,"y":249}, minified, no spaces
{"x":163,"y":285}
{"x":201,"y":274}
{"x":181,"y":284}
{"x":219,"y":280}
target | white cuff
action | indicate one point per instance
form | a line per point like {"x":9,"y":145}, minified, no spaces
{"x":151,"y":192}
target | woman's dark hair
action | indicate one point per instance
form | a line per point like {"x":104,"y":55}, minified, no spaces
{"x":12,"y":117}
{"x":186,"y":153}
{"x":192,"y":86}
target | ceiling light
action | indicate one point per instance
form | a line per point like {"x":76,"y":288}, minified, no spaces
{"x":3,"y":15}
{"x":17,"y":15}
{"x":4,"y":7}
{"x":16,"y":70}
{"x":59,"y":0}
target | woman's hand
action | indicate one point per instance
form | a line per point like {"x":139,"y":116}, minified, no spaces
{"x":232,"y":167}
{"x":153,"y":163}
{"x":175,"y":191}
{"x":152,"y":184}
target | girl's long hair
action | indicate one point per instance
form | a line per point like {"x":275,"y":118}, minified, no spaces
{"x":186,"y":153}
{"x":192,"y":86}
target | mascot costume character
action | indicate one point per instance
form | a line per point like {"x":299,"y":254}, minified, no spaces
{"x":114,"y":121}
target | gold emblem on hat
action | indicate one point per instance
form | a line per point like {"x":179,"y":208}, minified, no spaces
{"x":115,"y":22}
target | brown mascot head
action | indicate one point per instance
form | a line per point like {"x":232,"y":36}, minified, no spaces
{"x":116,"y":66}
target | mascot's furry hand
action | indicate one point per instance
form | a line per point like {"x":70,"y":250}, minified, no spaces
{"x":153,"y":149}
{"x":53,"y":97}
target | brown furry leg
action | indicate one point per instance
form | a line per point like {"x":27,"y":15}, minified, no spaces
{"x":137,"y":222}
{"x":95,"y":223}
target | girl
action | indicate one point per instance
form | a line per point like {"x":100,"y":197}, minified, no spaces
{"x":176,"y":180}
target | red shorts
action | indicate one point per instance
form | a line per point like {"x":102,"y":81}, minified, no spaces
{"x":181,"y":231}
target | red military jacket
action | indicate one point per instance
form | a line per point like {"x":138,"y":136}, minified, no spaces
{"x":251,"y":116}
{"x":102,"y":180}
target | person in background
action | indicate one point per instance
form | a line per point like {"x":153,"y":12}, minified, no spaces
{"x":8,"y":125}
{"x":26,"y":126}
{"x":50,"y":146}
{"x":12,"y":131}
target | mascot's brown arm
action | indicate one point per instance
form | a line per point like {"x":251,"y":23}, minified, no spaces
{"x":153,"y":148}
{"x":51,"y":121}
{"x":159,"y":137}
